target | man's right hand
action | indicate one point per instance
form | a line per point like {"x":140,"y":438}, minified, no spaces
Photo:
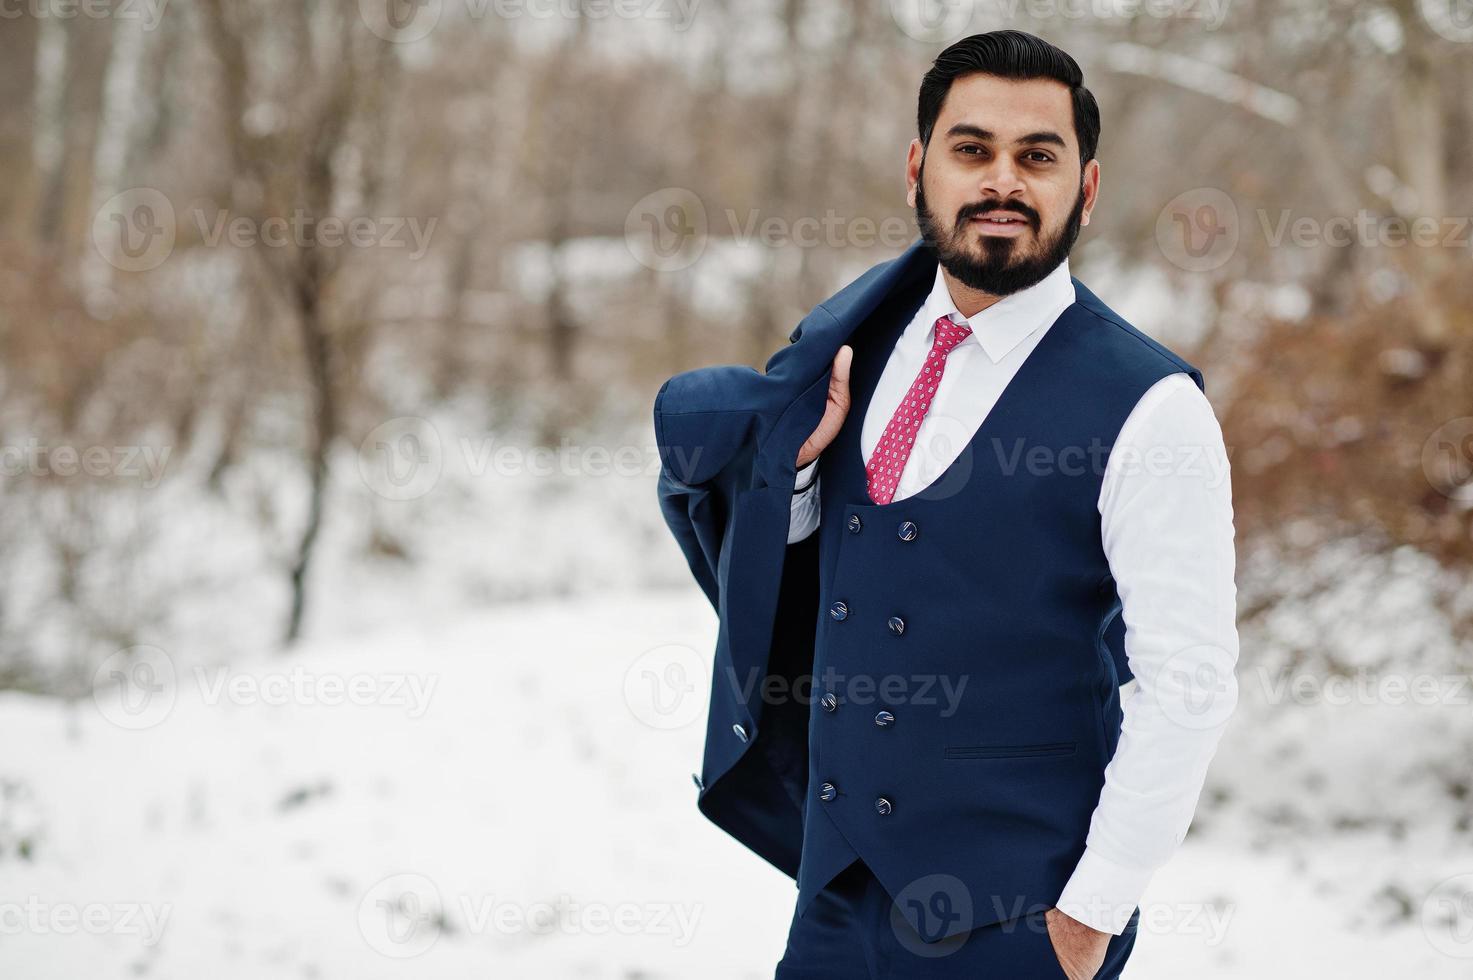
{"x":833,"y":412}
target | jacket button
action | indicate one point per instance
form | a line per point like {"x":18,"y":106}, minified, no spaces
{"x":839,"y":610}
{"x":697,"y":780}
{"x":897,"y":625}
{"x":827,"y":792}
{"x":907,"y":531}
{"x":855,"y":523}
{"x":882,"y":806}
{"x":828,"y":701}
{"x":741,"y":732}
{"x":884,"y":719}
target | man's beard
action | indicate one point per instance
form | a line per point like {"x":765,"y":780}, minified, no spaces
{"x":1000,"y":270}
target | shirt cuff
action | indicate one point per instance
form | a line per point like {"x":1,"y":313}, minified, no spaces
{"x":1103,"y":894}
{"x":805,"y":478}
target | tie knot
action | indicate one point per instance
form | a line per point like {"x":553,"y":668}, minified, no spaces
{"x":949,"y":333}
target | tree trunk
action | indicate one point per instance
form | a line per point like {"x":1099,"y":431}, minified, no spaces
{"x":17,"y":121}
{"x":65,"y":217}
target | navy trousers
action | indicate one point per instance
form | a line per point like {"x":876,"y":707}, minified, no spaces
{"x":850,"y":933}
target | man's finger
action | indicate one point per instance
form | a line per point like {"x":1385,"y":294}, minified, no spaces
{"x":841,"y":365}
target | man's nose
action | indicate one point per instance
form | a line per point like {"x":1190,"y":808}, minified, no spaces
{"x":1000,"y":179}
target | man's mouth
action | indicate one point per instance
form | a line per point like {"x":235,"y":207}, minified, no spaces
{"x":1001,"y":222}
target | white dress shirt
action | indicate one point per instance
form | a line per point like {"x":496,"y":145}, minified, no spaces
{"x":1167,"y":531}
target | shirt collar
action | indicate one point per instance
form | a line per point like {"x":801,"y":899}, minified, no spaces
{"x":1003,"y":325}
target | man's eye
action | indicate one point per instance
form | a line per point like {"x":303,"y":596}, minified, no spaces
{"x":973,"y":150}
{"x":1038,"y":156}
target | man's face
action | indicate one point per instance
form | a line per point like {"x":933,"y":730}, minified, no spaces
{"x":999,"y":192}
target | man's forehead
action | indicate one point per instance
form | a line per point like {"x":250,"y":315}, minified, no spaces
{"x":1008,"y":107}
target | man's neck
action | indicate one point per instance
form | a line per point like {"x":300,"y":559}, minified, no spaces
{"x":969,"y":302}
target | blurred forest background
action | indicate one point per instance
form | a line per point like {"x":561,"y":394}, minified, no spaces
{"x":320,"y":318}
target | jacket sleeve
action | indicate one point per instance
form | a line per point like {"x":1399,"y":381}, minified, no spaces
{"x":695,"y":516}
{"x":707,"y":424}
{"x":693,"y":448}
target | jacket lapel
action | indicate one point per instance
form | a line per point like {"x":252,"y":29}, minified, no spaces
{"x":803,"y":366}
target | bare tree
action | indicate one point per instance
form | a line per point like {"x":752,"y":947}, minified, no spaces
{"x":65,"y":210}
{"x":294,"y":173}
{"x":18,"y":43}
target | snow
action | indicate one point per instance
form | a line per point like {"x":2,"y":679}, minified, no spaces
{"x":487,"y":793}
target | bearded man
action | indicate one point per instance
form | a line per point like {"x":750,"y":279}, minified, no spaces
{"x":942,"y":530}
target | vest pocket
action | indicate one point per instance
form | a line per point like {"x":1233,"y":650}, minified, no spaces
{"x":1037,"y":750}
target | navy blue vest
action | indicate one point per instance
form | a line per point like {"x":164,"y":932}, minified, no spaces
{"x":965,"y":700}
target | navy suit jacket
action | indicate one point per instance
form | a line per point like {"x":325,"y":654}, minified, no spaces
{"x":728,"y":439}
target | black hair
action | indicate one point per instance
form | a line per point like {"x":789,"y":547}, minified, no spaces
{"x":1009,"y":54}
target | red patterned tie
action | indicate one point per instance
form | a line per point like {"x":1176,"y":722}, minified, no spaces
{"x":888,"y":462}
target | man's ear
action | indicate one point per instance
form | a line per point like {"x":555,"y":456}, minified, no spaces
{"x":915,"y":154}
{"x":1090,"y":185}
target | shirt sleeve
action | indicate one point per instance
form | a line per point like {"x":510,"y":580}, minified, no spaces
{"x":803,"y":517}
{"x":1167,"y":531}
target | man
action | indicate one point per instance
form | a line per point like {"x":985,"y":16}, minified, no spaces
{"x":919,"y":528}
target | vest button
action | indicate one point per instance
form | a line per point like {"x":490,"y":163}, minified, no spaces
{"x":827,"y":792}
{"x":855,"y":523}
{"x":882,"y":806}
{"x":897,"y":625}
{"x":839,"y":610}
{"x":741,"y":732}
{"x":828,"y":701}
{"x":884,"y":719}
{"x":907,"y":531}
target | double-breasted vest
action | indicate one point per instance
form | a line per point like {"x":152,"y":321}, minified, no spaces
{"x":928,"y":685}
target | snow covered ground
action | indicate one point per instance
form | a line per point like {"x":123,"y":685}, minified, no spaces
{"x":507,"y":794}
